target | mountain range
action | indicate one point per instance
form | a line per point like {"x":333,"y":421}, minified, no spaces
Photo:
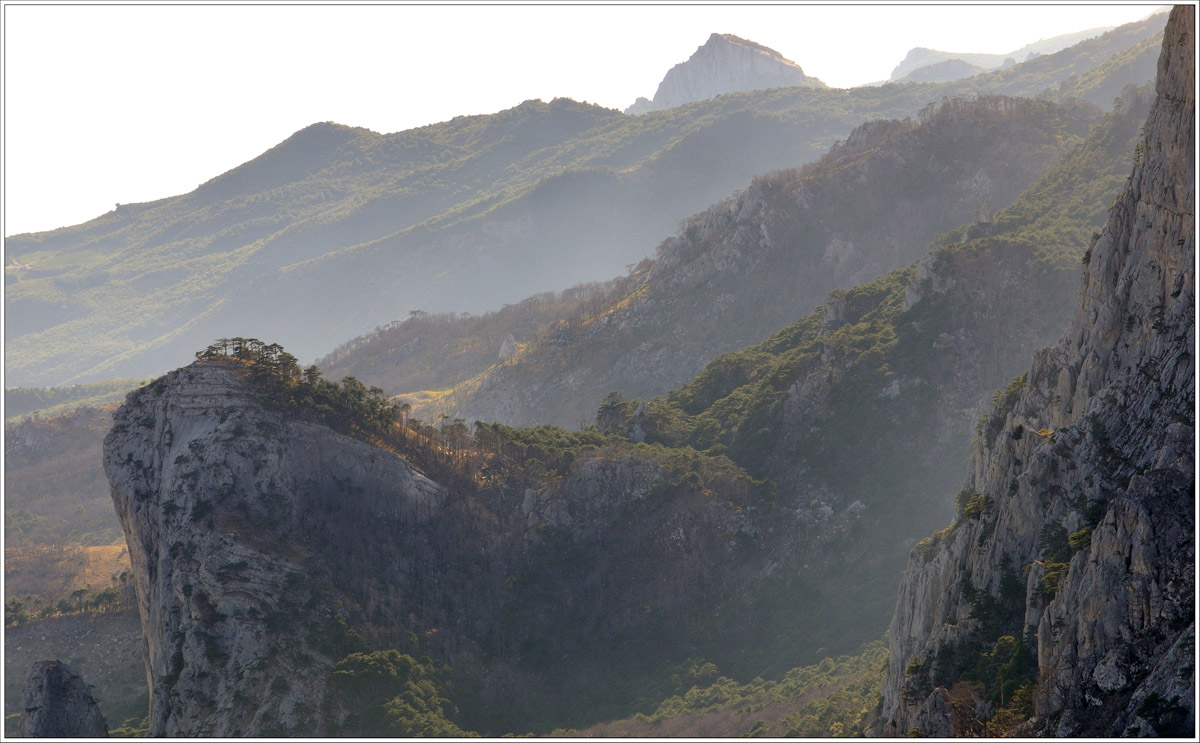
{"x":307,"y":242}
{"x":919,"y":58}
{"x":773,"y":411}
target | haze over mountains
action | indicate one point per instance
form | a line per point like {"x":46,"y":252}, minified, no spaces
{"x":918,"y":58}
{"x":774,"y":408}
{"x":308,"y":242}
{"x":756,"y":511}
{"x":792,"y":236}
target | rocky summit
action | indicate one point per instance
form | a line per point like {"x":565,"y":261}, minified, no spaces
{"x":1063,"y":593}
{"x":724,"y":64}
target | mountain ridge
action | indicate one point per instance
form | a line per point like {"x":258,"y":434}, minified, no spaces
{"x":174,"y":439}
{"x":919,"y":57}
{"x":174,"y":273}
{"x":790,"y":231}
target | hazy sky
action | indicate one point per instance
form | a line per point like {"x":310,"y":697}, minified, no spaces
{"x":106,"y":104}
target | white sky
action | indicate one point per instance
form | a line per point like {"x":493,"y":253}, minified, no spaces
{"x":106,"y":104}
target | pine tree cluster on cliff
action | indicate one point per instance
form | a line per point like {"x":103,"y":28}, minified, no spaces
{"x":350,"y":401}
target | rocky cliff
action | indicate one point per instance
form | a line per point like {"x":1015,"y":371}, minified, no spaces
{"x":1060,"y":601}
{"x":207,"y":497}
{"x":266,"y":547}
{"x":57,"y":704}
{"x":724,"y":64}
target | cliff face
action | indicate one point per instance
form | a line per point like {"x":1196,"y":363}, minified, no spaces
{"x":1097,"y":445}
{"x":871,"y":205}
{"x":216,"y":496}
{"x":724,"y":64}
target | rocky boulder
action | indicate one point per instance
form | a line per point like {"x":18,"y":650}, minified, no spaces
{"x":58,"y":704}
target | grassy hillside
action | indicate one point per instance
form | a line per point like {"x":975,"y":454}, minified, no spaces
{"x":55,"y":491}
{"x":830,"y":699}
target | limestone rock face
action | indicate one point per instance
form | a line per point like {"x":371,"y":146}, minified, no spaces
{"x":508,"y":348}
{"x":724,"y":64}
{"x":215,"y":493}
{"x":1099,"y":443}
{"x":935,"y":719}
{"x":58,"y":704}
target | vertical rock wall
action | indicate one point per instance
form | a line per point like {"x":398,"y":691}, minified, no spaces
{"x":1100,"y":443}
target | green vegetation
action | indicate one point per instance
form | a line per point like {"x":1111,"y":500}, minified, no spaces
{"x":394,"y":695}
{"x":433,"y":351}
{"x":729,"y":407}
{"x":1089,"y":70}
{"x":866,"y":431}
{"x":1101,"y":84}
{"x":350,"y":403}
{"x":829,"y":699}
{"x":55,"y":491}
{"x":990,"y":665}
{"x":1057,"y":548}
{"x":1168,"y":717}
{"x":132,"y":727}
{"x":27,"y":608}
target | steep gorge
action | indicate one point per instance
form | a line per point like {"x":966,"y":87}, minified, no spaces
{"x":1069,"y":570}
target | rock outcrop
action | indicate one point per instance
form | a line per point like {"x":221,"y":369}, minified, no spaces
{"x":57,"y":704}
{"x":1075,"y":537}
{"x":262,"y":542}
{"x":216,"y":494}
{"x":724,"y":64}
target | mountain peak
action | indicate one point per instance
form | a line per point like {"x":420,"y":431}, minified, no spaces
{"x":725,"y":64}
